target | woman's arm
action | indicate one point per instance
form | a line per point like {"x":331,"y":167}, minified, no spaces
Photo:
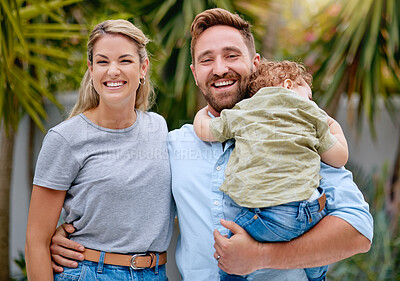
{"x":331,"y":240}
{"x":44,"y":212}
{"x":337,"y":155}
{"x":201,"y":125}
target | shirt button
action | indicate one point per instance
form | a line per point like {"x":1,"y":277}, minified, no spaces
{"x":216,"y":203}
{"x":218,"y":168}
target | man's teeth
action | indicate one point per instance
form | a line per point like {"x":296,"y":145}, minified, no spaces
{"x":223,"y":83}
{"x":114,"y":84}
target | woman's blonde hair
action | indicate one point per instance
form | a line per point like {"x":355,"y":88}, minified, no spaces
{"x":88,"y":97}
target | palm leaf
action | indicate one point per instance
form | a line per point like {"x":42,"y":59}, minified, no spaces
{"x":365,"y":48}
{"x":32,"y":11}
{"x":29,"y":59}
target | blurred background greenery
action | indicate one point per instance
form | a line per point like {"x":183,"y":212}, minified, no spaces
{"x":351,"y":47}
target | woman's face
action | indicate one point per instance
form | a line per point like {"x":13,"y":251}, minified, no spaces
{"x":116,"y":70}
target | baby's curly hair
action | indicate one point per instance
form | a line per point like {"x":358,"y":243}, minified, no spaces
{"x":273,"y":74}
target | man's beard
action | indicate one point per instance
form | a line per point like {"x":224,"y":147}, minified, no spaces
{"x":233,"y":98}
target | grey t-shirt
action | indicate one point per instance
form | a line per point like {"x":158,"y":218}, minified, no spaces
{"x":118,"y":182}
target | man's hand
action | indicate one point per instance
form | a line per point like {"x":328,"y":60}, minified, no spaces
{"x":228,"y":249}
{"x":63,"y":250}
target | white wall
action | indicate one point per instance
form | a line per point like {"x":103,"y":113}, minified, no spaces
{"x":363,"y":151}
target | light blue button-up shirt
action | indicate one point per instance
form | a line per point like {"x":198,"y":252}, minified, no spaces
{"x":198,"y":172}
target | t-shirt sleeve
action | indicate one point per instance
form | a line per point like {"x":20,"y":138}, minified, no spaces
{"x":326,"y":139}
{"x":56,"y":167}
{"x":220,"y":126}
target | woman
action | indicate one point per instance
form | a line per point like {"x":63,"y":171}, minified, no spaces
{"x":107,"y":167}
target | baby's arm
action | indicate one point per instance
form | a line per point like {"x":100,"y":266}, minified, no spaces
{"x":201,"y":125}
{"x":338,"y":154}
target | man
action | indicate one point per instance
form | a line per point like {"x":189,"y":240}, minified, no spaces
{"x":223,"y":57}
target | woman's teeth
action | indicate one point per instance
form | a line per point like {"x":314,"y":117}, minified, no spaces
{"x":114,"y":84}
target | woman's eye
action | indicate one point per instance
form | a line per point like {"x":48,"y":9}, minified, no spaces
{"x":102,"y":62}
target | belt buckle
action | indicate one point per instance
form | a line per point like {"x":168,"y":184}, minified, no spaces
{"x":133,"y":261}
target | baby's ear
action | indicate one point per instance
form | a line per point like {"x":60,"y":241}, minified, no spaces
{"x":288,"y":84}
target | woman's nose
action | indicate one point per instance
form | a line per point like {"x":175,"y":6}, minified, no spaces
{"x":113,"y":70}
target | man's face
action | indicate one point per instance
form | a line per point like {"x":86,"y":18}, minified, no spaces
{"x":222,"y":66}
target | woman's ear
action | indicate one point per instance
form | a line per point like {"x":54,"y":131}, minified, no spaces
{"x":144,"y":67}
{"x":288,"y":84}
{"x":90,"y":67}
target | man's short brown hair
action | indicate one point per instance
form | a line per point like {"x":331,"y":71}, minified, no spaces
{"x":273,"y":74}
{"x":217,"y":16}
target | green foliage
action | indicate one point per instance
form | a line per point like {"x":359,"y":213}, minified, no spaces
{"x":381,"y":263}
{"x":20,"y":262}
{"x":28,"y":55}
{"x":357,"y":51}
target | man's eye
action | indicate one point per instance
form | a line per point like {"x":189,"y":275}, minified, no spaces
{"x":205,"y":60}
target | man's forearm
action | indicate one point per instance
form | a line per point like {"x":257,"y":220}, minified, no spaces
{"x":331,"y":240}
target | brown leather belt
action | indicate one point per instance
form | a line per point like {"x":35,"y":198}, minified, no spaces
{"x":322,"y":201}
{"x":136,"y":261}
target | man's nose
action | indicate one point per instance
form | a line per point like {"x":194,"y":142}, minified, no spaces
{"x":220,"y":67}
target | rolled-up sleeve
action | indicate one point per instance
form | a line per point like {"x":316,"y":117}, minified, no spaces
{"x":345,"y":200}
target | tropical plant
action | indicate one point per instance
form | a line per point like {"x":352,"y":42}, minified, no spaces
{"x":357,"y":52}
{"x":383,"y":260}
{"x":28,"y":55}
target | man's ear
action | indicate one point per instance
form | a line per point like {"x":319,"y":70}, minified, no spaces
{"x":194,"y":74}
{"x":288,"y":84}
{"x":256,"y":60}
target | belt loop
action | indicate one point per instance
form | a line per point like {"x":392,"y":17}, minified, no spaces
{"x":156,"y":267}
{"x":100,"y":264}
{"x":322,"y":202}
{"x":308,"y":212}
{"x":300,"y":211}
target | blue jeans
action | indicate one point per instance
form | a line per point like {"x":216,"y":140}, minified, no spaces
{"x":88,"y":271}
{"x":280,"y":223}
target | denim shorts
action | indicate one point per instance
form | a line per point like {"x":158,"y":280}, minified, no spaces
{"x":88,"y":270}
{"x":280,"y":223}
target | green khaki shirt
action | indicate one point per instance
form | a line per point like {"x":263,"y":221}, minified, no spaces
{"x":279,"y":137}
